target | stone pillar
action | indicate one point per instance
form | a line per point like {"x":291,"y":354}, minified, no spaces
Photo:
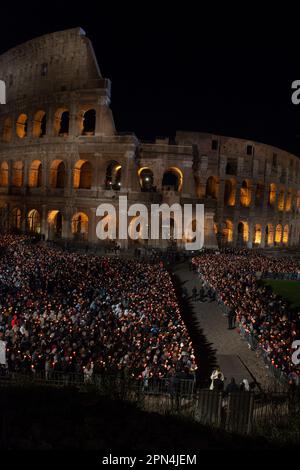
{"x":131,"y":174}
{"x":235,"y":232}
{"x":263,"y":236}
{"x":127,"y":171}
{"x":10,"y":174}
{"x":97,"y":183}
{"x":238,"y":194}
{"x":92,"y":225}
{"x":157,"y":179}
{"x":30,"y":123}
{"x":25,"y":176}
{"x":188,"y":187}
{"x":24,"y":219}
{"x":73,"y":120}
{"x":50,"y":122}
{"x":98,"y":109}
{"x":266,"y":196}
{"x":45,"y":175}
{"x":251,"y":232}
{"x":44,"y":225}
{"x":69,"y":177}
{"x":66,"y":223}
{"x":210,"y":240}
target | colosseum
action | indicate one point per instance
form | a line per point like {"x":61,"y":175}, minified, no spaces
{"x":61,"y":156}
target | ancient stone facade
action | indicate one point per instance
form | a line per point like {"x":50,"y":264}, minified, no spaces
{"x":61,"y":156}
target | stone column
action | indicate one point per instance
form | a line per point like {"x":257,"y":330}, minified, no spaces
{"x":24,"y":219}
{"x":73,"y":120}
{"x":69,"y":177}
{"x":10,"y":174}
{"x":98,"y":109}
{"x":188,"y":186}
{"x":44,"y":225}
{"x":210,"y":240}
{"x":45,"y":175}
{"x":25,"y":177}
{"x":251,"y":232}
{"x":66,"y":223}
{"x":50,"y":122}
{"x":92,"y":225}
{"x":131,"y":177}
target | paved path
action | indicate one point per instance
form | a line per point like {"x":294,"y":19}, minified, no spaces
{"x":231,"y":352}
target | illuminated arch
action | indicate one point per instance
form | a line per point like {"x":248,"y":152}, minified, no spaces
{"x":80,"y":225}
{"x":229,"y":192}
{"x":272,"y":194}
{"x":245,"y":194}
{"x":269,"y":234}
{"x":21,"y":125}
{"x":17,"y":174}
{"x":281,"y":199}
{"x":298,"y":201}
{"x":34,"y":221}
{"x":39,"y":124}
{"x":259,"y":194}
{"x":61,"y":122}
{"x":113,"y":175}
{"x":228,"y":231}
{"x":7,"y":130}
{"x":285,"y":238}
{"x":57,"y":174}
{"x":88,"y":122}
{"x":175,"y":177}
{"x":288,"y":203}
{"x":243,"y":232}
{"x":211,"y":187}
{"x":35,"y":174}
{"x":83,"y":175}
{"x":257,"y":234}
{"x":278,"y":234}
{"x":4,"y":174}
{"x":55,"y":221}
{"x":146,"y":178}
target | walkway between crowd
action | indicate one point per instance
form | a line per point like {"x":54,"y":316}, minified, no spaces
{"x":232,"y":352}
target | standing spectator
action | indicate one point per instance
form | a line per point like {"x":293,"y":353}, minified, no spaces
{"x":231,"y":319}
{"x":215,"y":374}
{"x":218,"y":384}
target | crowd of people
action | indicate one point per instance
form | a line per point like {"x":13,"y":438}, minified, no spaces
{"x":268,"y":319}
{"x":70,"y":312}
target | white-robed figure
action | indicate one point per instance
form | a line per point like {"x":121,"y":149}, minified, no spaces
{"x":88,"y":372}
{"x":215,"y":374}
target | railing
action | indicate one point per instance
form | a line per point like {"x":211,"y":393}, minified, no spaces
{"x":241,"y":412}
{"x":153,"y":386}
{"x":281,"y":276}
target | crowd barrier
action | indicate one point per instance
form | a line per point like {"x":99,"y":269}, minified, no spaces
{"x":281,"y":276}
{"x":241,"y":412}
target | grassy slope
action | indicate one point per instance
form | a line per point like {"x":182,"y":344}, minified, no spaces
{"x":287,"y":289}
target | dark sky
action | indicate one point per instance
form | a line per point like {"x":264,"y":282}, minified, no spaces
{"x":182,"y":68}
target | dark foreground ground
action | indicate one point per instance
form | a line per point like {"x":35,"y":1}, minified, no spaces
{"x":49,"y":419}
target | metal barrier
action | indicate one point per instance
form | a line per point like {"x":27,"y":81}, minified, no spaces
{"x":241,"y":412}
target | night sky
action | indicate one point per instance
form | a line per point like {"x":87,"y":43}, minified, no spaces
{"x":183,"y":68}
